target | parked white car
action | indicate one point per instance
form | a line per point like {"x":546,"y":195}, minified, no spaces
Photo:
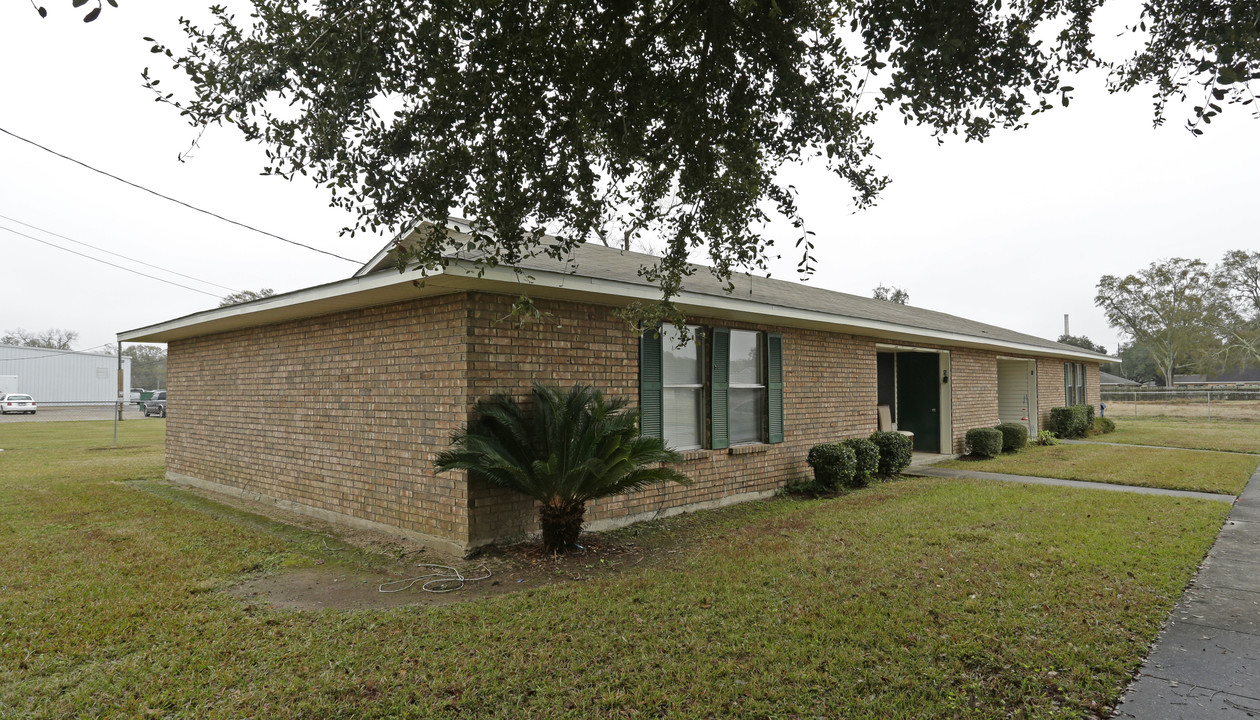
{"x":135,"y":395}
{"x":16,"y":403}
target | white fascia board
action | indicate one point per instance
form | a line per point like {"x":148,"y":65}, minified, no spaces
{"x":385,"y":287}
{"x":355,"y":292}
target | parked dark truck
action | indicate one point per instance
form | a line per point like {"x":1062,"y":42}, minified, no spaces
{"x":155,"y":405}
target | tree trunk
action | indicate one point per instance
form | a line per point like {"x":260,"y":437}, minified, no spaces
{"x":1168,"y":376}
{"x":561,"y":525}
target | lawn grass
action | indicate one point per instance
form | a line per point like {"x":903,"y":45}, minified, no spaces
{"x":1146,"y":467}
{"x":1230,"y":436}
{"x":920,"y":598}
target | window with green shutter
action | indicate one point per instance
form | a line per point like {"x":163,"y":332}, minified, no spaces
{"x":719,"y":389}
{"x":774,"y":380}
{"x":682,"y":387}
{"x":651,"y":419}
{"x":734,"y":378}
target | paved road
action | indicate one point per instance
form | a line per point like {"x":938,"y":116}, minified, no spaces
{"x":59,"y":413}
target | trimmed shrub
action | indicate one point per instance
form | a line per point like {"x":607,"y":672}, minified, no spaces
{"x":1089,"y":416}
{"x":1070,"y":422}
{"x":1045,"y":437}
{"x":1014,"y":436}
{"x":984,"y":442}
{"x":867,"y":455}
{"x":1104,"y":425}
{"x":895,"y":451}
{"x":834,"y":465}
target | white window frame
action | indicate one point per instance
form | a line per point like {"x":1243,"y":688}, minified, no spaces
{"x":669,"y":339}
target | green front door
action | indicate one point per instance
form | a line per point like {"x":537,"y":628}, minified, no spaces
{"x":919,"y":399}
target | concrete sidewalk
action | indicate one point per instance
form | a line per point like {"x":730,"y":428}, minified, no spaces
{"x":932,"y":471}
{"x":1206,"y":662}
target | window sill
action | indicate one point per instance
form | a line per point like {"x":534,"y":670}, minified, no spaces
{"x":695,"y":454}
{"x":748,"y":449}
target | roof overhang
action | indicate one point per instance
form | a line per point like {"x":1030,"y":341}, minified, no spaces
{"x":386,"y":287}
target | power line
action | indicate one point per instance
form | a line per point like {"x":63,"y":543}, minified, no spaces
{"x":178,"y":202}
{"x":106,"y":262}
{"x":108,"y":252}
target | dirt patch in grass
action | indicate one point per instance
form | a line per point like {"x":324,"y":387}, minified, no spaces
{"x":514,"y":568}
{"x":344,"y":568}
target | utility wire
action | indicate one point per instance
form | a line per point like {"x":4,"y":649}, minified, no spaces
{"x":106,"y":262}
{"x":108,"y":252}
{"x":178,"y":202}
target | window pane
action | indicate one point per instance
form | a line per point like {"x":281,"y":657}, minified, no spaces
{"x":683,"y":417}
{"x":746,"y":365}
{"x":748,"y":407}
{"x":680,"y":365}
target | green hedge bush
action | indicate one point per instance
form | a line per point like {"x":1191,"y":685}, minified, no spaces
{"x":834,"y":465}
{"x":867,"y":455}
{"x":895,"y":451}
{"x":1104,"y":425}
{"x":1014,"y":436}
{"x":984,"y":442}
{"x":1072,"y":421}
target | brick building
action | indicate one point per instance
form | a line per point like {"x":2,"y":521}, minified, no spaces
{"x":343,"y":394}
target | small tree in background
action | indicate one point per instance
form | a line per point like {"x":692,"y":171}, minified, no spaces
{"x":245,"y":296}
{"x":891,"y":294}
{"x":1081,"y":341}
{"x":571,"y":446}
{"x":1238,"y":282}
{"x":148,"y":366}
{"x":1167,"y":307}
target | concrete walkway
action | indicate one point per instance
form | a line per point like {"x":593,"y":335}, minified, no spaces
{"x":1206,"y":662}
{"x":932,"y":471}
{"x":1064,"y":441}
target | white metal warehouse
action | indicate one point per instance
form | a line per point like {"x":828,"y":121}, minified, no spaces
{"x":62,"y":376}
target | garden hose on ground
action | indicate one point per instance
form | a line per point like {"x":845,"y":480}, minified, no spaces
{"x":448,"y":579}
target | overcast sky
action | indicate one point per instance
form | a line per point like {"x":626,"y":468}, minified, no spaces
{"x":1015,"y":231}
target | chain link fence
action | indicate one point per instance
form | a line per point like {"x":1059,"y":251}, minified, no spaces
{"x":72,"y":410}
{"x":1221,"y":405}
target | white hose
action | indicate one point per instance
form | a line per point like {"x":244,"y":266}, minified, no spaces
{"x":449,"y":580}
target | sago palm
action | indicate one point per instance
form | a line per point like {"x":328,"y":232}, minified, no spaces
{"x":569,"y":447}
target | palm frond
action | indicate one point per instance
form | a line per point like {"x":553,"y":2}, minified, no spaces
{"x":571,"y":446}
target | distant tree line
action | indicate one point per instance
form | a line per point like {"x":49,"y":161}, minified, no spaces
{"x":51,"y":339}
{"x":1182,"y":316}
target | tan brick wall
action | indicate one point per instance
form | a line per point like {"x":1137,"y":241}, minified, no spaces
{"x":974,"y":391}
{"x":346,"y":412}
{"x":1051,"y":392}
{"x":341,"y":413}
{"x":829,"y":394}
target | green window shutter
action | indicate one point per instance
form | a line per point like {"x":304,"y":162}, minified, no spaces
{"x":719,"y":389}
{"x":774,"y":386}
{"x":651,"y":401}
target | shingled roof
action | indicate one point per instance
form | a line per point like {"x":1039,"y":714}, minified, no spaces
{"x":622,"y":266}
{"x":594,"y":273}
